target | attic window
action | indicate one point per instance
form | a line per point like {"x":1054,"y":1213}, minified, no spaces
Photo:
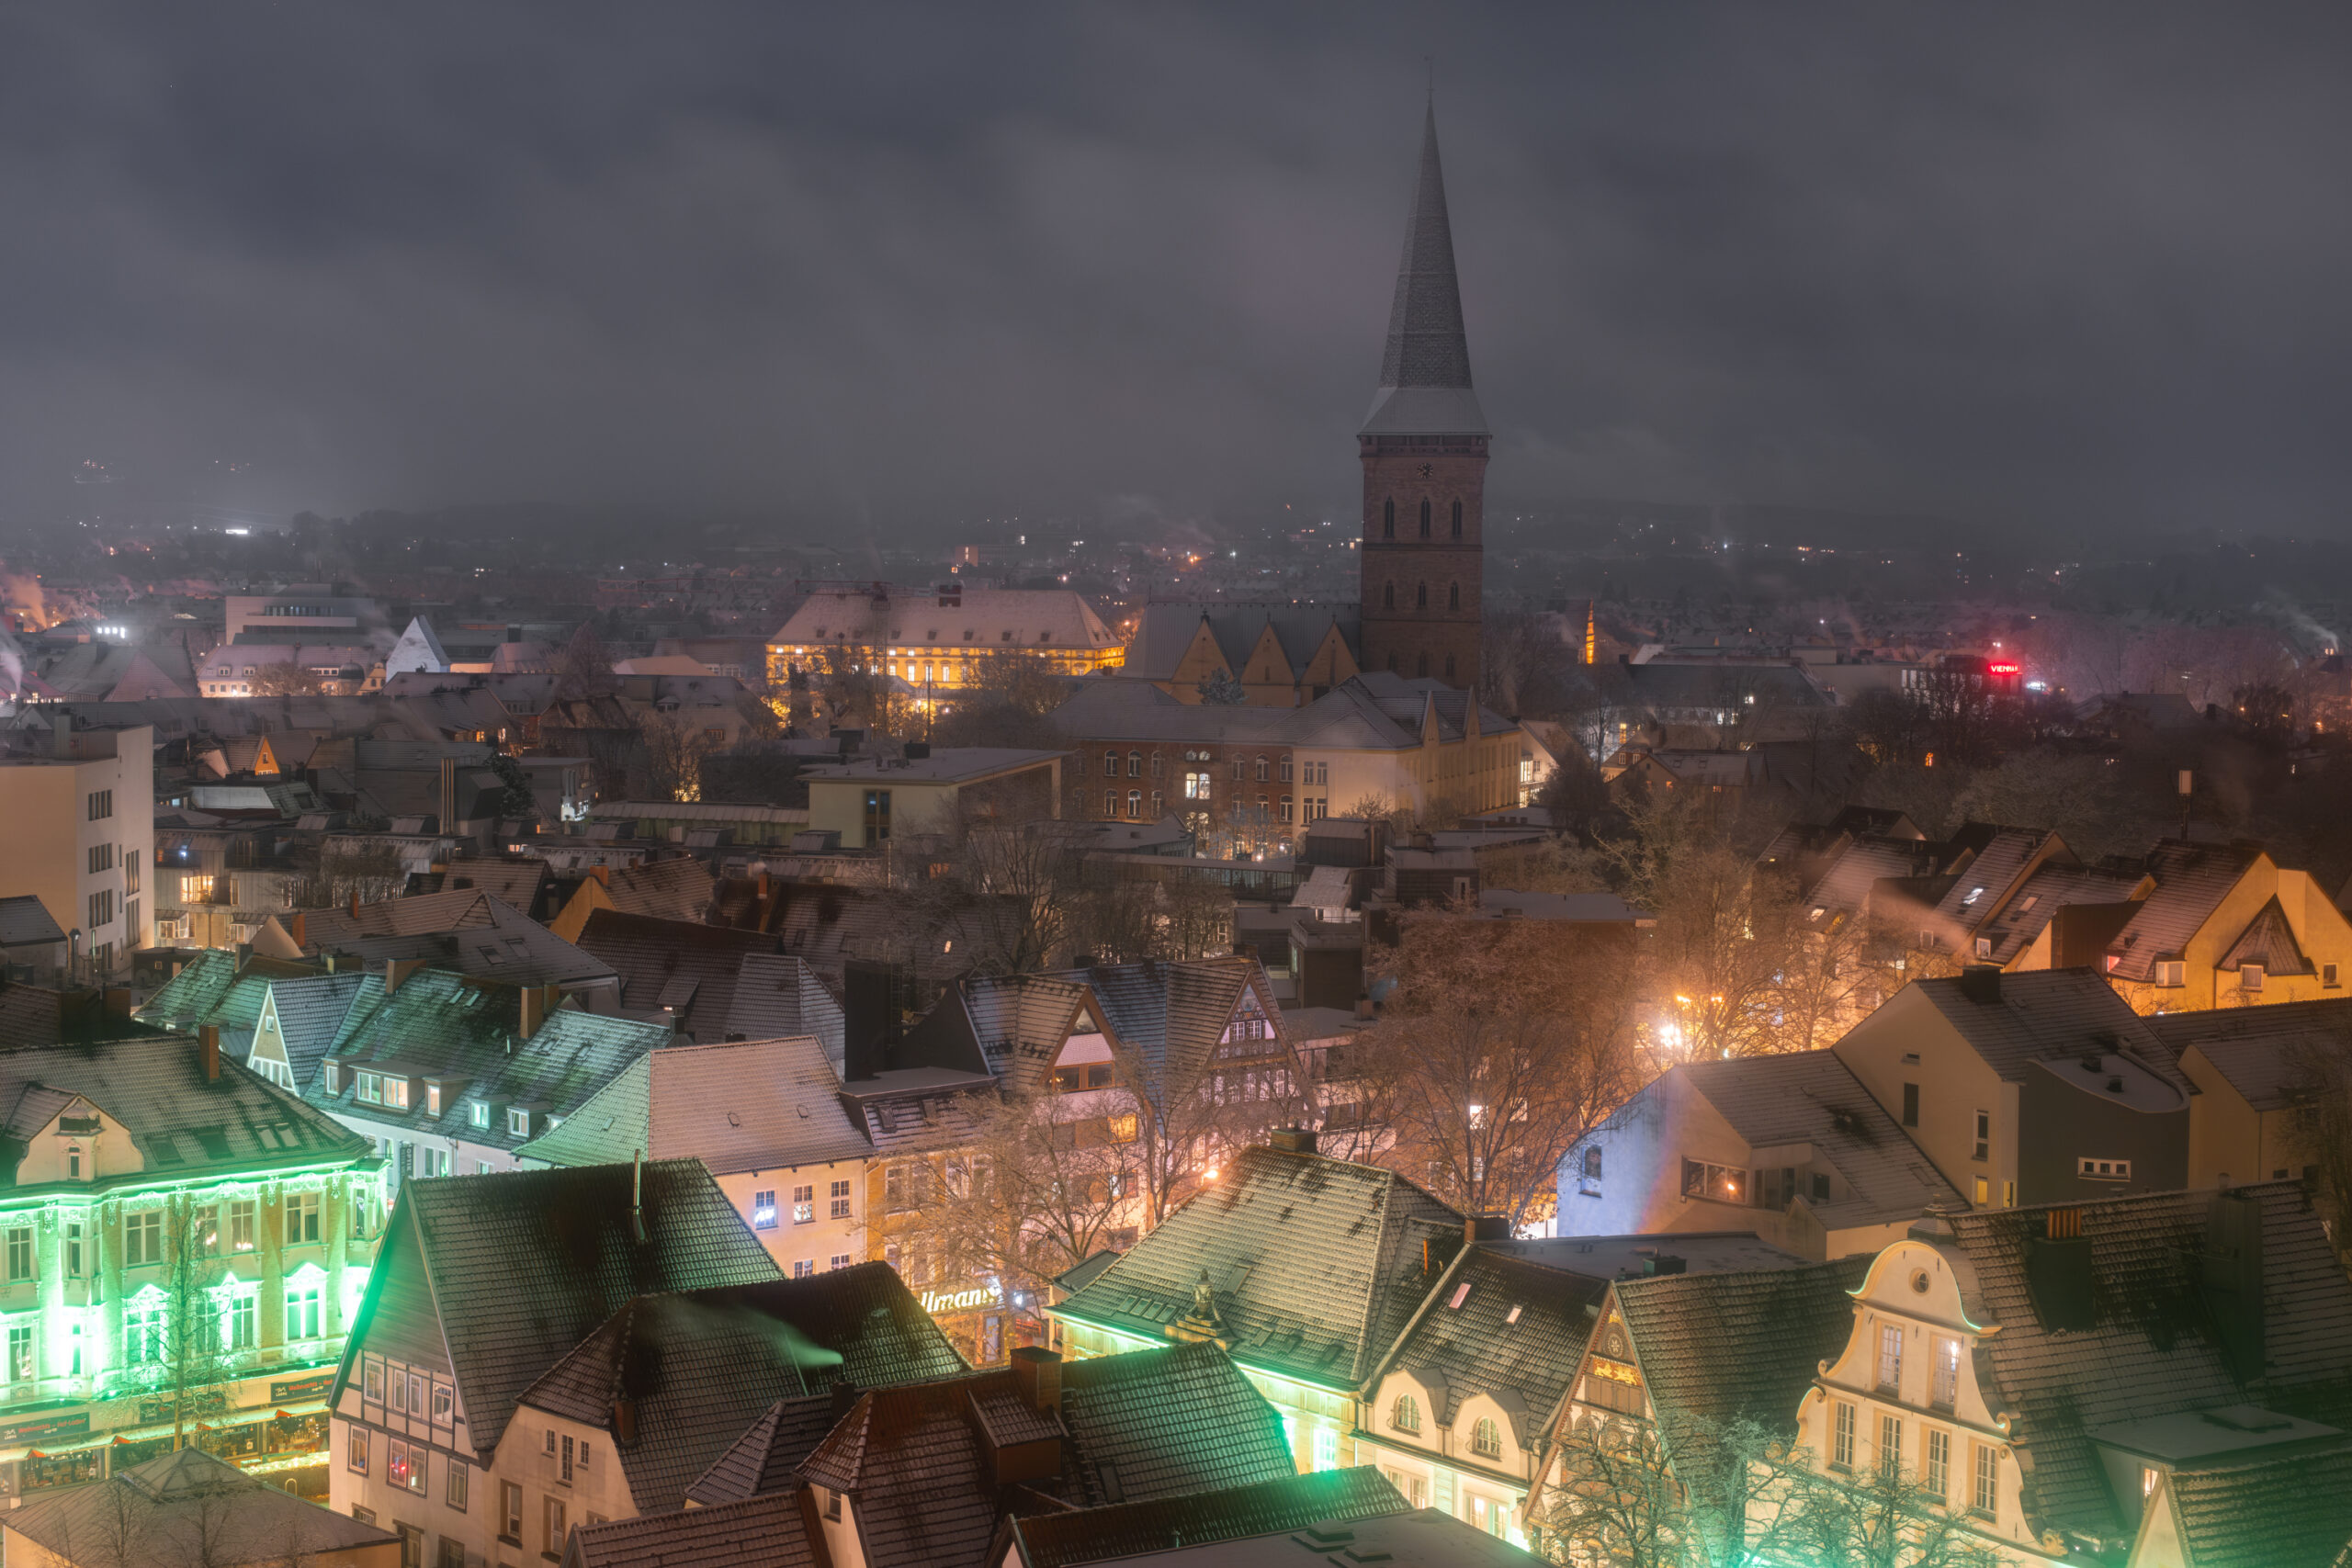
{"x":1511,"y":1316}
{"x":1973,"y":895}
{"x":1461,"y":1295}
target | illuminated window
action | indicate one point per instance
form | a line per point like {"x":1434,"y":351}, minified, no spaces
{"x":1841,"y":1440}
{"x":1724,"y":1184}
{"x":1946,"y":1393}
{"x":1985,"y":1495}
{"x":764,"y":1211}
{"x":301,"y":1218}
{"x":1890,"y":1358}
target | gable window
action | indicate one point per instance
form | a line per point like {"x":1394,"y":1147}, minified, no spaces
{"x":1946,"y":1393}
{"x":1890,"y":1358}
{"x":2250,"y":976}
{"x":1841,"y":1435}
{"x":1405,"y":1415}
{"x":839,"y":1198}
{"x":1486,"y":1438}
{"x":764,"y":1211}
{"x":432,"y":1099}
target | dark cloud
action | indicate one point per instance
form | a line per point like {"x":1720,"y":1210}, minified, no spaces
{"x":896,"y":266}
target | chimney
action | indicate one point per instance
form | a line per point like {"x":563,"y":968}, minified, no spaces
{"x":765,"y":887}
{"x":61,"y":735}
{"x":870,"y":1019}
{"x":624,"y":1420}
{"x":636,"y":1194}
{"x":355,"y":903}
{"x":1665,"y":1263}
{"x":1981,"y":983}
{"x":537,"y":1002}
{"x":208,"y":1049}
{"x":398,"y":970}
{"x":603,"y":873}
{"x":1038,"y":1373}
{"x":1486,"y":1227}
{"x":119,"y":1002}
{"x":1293,"y":1140}
{"x":448,"y":794}
{"x":2231,"y":1279}
{"x":297,"y":933}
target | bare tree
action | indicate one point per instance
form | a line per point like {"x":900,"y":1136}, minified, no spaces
{"x":1029,"y":1197}
{"x":1883,"y":1518}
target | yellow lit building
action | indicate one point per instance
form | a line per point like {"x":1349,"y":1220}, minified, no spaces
{"x":942,"y":640}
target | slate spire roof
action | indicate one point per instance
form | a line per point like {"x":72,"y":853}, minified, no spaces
{"x":1428,"y":356}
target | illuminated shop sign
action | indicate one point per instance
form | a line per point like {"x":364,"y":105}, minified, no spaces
{"x":955,"y":1301}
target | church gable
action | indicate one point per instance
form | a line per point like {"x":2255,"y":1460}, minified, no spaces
{"x":1204,"y":658}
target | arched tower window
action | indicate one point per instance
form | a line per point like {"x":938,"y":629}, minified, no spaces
{"x":1425,"y":517}
{"x":1457,"y":520}
{"x":1422,"y":665}
{"x":1392,"y":665}
{"x":1421,"y":600}
{"x":1449,"y":667}
{"x":1388,"y":518}
{"x":1453,"y":596}
{"x":1388,"y":596}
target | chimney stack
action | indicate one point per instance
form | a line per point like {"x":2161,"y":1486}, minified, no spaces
{"x":1293,"y":1140}
{"x":1486,"y":1227}
{"x":297,"y":933}
{"x":624,"y":1419}
{"x":208,"y":1046}
{"x":448,"y":794}
{"x":1037,"y":1371}
{"x":355,"y":903}
{"x":397,"y":970}
{"x":1981,"y":983}
{"x":537,"y":1002}
{"x":637,"y":1195}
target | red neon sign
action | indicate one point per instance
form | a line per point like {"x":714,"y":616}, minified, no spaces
{"x":2003,"y":668}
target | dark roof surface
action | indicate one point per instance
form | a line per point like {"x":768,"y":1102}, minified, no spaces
{"x":683,"y":967}
{"x":2153,"y":1347}
{"x":750,"y":1105}
{"x":2262,"y":1052}
{"x":1125,"y":1530}
{"x":768,"y":1456}
{"x":1166,"y":1422}
{"x":180,"y":1122}
{"x":25,"y":921}
{"x":2191,"y":881}
{"x":186,"y":1509}
{"x":1519,"y":1328}
{"x":760,"y":1532}
{"x":1315,"y":1264}
{"x":561,"y":1241}
{"x":1810,"y":1097}
{"x":2048,"y":1015}
{"x":704,"y":1367}
{"x":2289,"y":1512}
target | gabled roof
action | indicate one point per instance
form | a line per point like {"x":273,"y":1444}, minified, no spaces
{"x":437,"y":1025}
{"x":1810,"y":1097}
{"x":562,"y":1244}
{"x":1146,"y":1425}
{"x":1374,"y":712}
{"x":666,"y":889}
{"x":1315,"y":1264}
{"x":464,"y":929}
{"x":2292,"y":1511}
{"x":2264,"y":1053}
{"x":198,"y":991}
{"x":778,"y":994}
{"x":2268,"y":942}
{"x":1164,"y":1423}
{"x":1715,"y":1348}
{"x":767,"y":1457}
{"x":1520,"y":1329}
{"x":700,"y":1367}
{"x":746,"y":1105}
{"x":1165,"y":631}
{"x":516,"y":882}
{"x":24,"y":922}
{"x":772,"y":1531}
{"x":685,"y":969}
{"x":2051,"y":887}
{"x":181,"y":1121}
{"x":2048,"y":1015}
{"x":1134,"y":1529}
{"x":2153,"y":1347}
{"x":186,"y":1509}
{"x":2191,"y":881}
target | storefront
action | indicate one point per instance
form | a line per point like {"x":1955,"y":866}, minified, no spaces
{"x":283,"y":1438}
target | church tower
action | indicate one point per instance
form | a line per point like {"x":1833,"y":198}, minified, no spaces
{"x":1424,"y":453}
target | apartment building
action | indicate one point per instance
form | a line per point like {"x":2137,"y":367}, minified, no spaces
{"x":151,"y":1178}
{"x":81,"y":808}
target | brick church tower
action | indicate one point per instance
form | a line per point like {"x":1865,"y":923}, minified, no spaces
{"x":1424,"y":452}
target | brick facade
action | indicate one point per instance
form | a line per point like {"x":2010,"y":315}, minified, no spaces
{"x":1422,"y":581}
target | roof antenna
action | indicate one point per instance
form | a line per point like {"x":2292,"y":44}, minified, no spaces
{"x":637,"y":1193}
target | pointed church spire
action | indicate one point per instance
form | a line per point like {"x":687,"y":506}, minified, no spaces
{"x":1425,"y":370}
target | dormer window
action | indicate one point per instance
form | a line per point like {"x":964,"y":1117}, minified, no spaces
{"x":478,"y":1113}
{"x":518,"y":1122}
{"x":432,"y":1099}
{"x":334,"y":1078}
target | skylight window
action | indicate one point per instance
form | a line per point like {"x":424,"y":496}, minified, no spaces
{"x":1461,"y":1295}
{"x":1511,"y":1316}
{"x":1973,"y":895}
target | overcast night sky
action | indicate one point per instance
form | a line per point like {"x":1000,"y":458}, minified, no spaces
{"x":2024,"y":265}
